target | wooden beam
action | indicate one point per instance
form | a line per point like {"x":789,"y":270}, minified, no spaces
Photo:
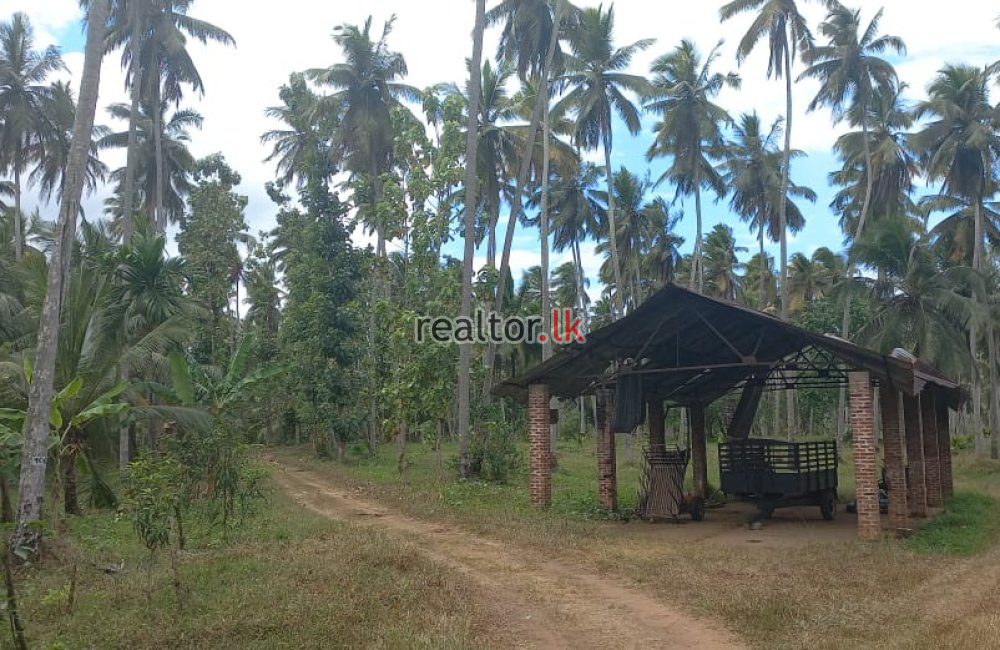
{"x":699,"y":449}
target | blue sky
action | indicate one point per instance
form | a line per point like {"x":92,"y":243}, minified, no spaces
{"x":433,"y":36}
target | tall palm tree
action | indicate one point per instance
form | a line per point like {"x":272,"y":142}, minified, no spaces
{"x":163,"y":172}
{"x":851,"y":71}
{"x":367,"y":88}
{"x":52,"y":147}
{"x":919,"y":304}
{"x":497,"y":150}
{"x":754,"y":173}
{"x":787,"y":33}
{"x":813,"y":278}
{"x":760,"y":283}
{"x":527,"y":25}
{"x":306,"y":134}
{"x":690,"y":128}
{"x":599,"y":86}
{"x":722,"y":263}
{"x":893,"y":164}
{"x":577,"y":212}
{"x":960,"y":147}
{"x":153,"y":35}
{"x":23,"y":91}
{"x":469,"y":230}
{"x":36,"y":428}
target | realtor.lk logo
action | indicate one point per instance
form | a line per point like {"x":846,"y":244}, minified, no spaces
{"x":490,"y":327}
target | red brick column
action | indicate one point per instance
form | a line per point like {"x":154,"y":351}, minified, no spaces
{"x":657,"y":435}
{"x":865,"y":456}
{"x":607,"y":469}
{"x":895,"y":465}
{"x":932,"y":467}
{"x":944,"y":446}
{"x":699,"y":450}
{"x":917,"y":497}
{"x":538,"y":436}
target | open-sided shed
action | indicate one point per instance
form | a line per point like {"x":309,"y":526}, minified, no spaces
{"x":683,"y":349}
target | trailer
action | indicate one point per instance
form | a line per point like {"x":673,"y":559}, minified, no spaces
{"x":775,"y":473}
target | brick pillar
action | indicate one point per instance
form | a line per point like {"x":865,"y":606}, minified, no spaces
{"x":699,"y":450}
{"x":865,"y":456}
{"x":917,"y":497}
{"x":944,"y":446}
{"x":657,"y":436}
{"x":932,"y":467}
{"x":895,"y":465}
{"x":607,"y":470}
{"x":538,"y":435}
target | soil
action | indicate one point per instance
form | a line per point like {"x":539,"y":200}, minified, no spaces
{"x":536,"y":601}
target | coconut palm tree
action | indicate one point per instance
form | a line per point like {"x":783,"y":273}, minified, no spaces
{"x":851,"y":71}
{"x":787,"y":34}
{"x":960,"y":147}
{"x":51,"y":150}
{"x":722,"y":263}
{"x":753,"y":171}
{"x":598,"y":89}
{"x":577,"y":214}
{"x":892,"y":161}
{"x":919,"y":304}
{"x":367,"y":88}
{"x":171,"y":160}
{"x":759,"y":287}
{"x":153,"y":35}
{"x":36,"y":427}
{"x":813,"y":278}
{"x":306,"y":135}
{"x":690,"y":128}
{"x":497,"y":149}
{"x":469,"y":227}
{"x":23,"y":91}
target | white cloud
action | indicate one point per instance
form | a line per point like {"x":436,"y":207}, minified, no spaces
{"x":434,"y":35}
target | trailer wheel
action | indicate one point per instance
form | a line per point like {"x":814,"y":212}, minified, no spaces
{"x":697,"y":508}
{"x":828,"y":504}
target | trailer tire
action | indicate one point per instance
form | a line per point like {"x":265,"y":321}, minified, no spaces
{"x":697,"y":509}
{"x":828,"y":504}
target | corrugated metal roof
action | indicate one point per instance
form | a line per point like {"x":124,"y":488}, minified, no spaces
{"x":693,"y":348}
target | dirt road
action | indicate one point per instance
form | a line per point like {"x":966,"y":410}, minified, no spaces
{"x":538,"y":601}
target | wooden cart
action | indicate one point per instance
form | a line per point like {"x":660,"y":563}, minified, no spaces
{"x":775,"y":473}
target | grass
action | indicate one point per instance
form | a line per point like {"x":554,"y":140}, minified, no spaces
{"x":969,"y":525}
{"x":823,"y":595}
{"x":287,"y":579}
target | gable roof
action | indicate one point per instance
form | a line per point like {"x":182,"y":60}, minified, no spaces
{"x":693,"y":348}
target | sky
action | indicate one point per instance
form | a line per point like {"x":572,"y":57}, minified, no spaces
{"x":435,"y":38}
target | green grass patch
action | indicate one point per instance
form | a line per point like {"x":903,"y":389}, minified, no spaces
{"x":969,"y":525}
{"x":286,"y":578}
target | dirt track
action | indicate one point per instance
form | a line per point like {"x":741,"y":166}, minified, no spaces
{"x":538,"y":602}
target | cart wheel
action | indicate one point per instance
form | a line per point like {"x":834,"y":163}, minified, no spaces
{"x":697,"y":508}
{"x":828,"y":504}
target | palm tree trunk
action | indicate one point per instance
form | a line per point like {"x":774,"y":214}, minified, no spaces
{"x":36,"y":430}
{"x":161,"y":218}
{"x":543,"y":222}
{"x":133,"y":133}
{"x":976,"y":387}
{"x":846,"y":321}
{"x":783,"y":225}
{"x":994,"y":394}
{"x":491,"y":242}
{"x":698,"y":266}
{"x":522,"y":180}
{"x":763,"y":260}
{"x":18,"y":217}
{"x":613,"y":230}
{"x":471,"y":151}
